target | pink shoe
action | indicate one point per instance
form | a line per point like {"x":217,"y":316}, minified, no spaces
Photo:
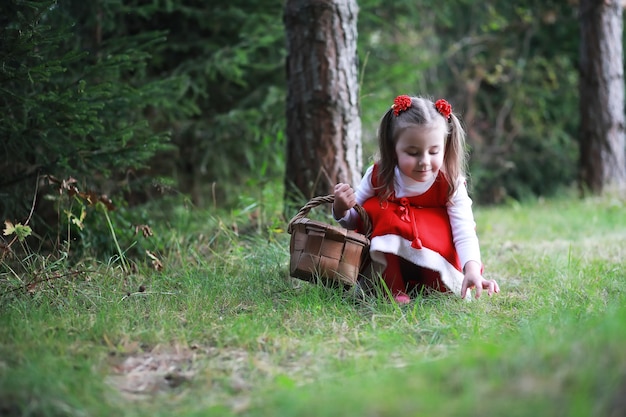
{"x":402,"y":298}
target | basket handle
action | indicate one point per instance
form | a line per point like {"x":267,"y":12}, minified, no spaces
{"x":316,"y":201}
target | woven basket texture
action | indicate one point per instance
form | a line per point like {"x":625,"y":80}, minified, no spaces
{"x":326,"y":253}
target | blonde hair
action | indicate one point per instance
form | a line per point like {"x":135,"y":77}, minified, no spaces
{"x":422,"y":113}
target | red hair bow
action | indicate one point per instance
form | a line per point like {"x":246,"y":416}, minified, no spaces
{"x":400,"y":104}
{"x":444,"y":108}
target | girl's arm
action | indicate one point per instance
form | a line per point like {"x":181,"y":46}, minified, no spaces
{"x":463,"y":226}
{"x":466,"y":243}
{"x":364,"y":191}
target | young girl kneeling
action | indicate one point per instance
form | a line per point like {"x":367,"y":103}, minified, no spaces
{"x":423,"y":229}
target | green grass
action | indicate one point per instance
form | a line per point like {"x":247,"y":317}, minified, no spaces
{"x":222,"y":330}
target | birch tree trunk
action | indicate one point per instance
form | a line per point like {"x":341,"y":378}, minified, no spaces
{"x":323,"y":122}
{"x":602,"y":146}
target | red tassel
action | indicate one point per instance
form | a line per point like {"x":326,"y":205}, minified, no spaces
{"x":417,"y":243}
{"x":407,"y":215}
{"x":404,"y":215}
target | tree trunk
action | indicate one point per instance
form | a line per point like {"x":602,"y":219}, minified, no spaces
{"x":602,"y":147}
{"x":323,"y":122}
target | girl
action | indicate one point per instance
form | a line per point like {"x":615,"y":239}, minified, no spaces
{"x":424,"y":234}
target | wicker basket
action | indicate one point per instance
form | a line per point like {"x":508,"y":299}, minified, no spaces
{"x":330,"y":254}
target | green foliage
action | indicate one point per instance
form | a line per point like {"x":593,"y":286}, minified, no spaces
{"x":509,"y":70}
{"x":77,"y":104}
{"x":232,"y":54}
{"x":76,"y":100}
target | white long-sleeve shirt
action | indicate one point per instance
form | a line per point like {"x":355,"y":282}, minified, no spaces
{"x":459,"y":211}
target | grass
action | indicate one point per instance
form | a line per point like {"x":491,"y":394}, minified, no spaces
{"x":222,"y":330}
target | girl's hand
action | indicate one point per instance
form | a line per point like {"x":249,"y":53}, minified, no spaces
{"x":474,"y":279}
{"x":345,"y":199}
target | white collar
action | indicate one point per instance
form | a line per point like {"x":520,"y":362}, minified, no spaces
{"x":405,"y":185}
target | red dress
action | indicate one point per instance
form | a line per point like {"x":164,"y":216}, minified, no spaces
{"x":418,"y":230}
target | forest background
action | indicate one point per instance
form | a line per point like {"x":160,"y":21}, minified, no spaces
{"x":142,"y":100}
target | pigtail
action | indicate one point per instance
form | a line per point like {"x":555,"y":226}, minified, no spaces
{"x":455,"y":161}
{"x":387,"y":158}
